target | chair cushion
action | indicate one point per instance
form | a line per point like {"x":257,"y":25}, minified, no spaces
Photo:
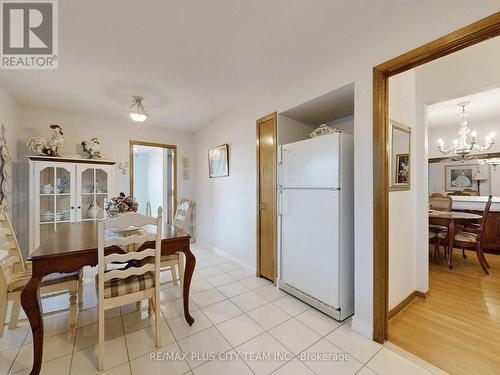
{"x":120,"y":287}
{"x":432,"y":235}
{"x":466,"y":237}
{"x":442,"y":235}
{"x":438,"y":228}
{"x":20,"y":279}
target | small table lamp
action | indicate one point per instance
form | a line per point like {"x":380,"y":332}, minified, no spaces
{"x":479,"y":176}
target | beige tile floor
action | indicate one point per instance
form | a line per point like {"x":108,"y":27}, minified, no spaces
{"x":236,"y":314}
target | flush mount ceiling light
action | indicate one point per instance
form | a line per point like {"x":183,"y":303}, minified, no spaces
{"x":136,"y":111}
{"x":467,"y":139}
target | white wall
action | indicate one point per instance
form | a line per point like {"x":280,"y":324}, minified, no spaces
{"x":291,"y":130}
{"x":226,"y":209}
{"x":346,"y":124}
{"x":9,"y":117}
{"x":155,"y":178}
{"x":402,"y":250}
{"x":140,"y":180}
{"x":114,"y":137}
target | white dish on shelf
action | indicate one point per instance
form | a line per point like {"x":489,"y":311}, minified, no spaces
{"x":51,"y":216}
{"x":47,"y":216}
{"x":47,"y":189}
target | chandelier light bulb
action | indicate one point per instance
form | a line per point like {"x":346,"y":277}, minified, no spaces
{"x":455,"y":142}
{"x":473,"y":134}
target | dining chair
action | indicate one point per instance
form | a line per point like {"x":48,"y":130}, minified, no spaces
{"x":435,"y":239}
{"x":169,"y":262}
{"x":460,"y":193}
{"x":471,"y":237}
{"x":471,"y":192}
{"x":439,"y":202}
{"x":139,"y":277}
{"x":15,"y":274}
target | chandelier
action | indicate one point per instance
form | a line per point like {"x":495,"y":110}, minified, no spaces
{"x":136,"y":111}
{"x":467,"y":139}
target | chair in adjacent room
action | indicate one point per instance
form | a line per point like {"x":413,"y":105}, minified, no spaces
{"x":139,"y":277}
{"x":15,"y":274}
{"x":471,"y":237}
{"x":439,"y":202}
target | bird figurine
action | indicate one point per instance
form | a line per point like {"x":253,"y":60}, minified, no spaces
{"x":93,"y":148}
{"x":50,"y":147}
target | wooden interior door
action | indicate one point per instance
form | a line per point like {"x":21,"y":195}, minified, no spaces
{"x":266,"y":197}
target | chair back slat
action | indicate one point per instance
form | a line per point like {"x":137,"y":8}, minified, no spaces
{"x":137,"y":238}
{"x":486,"y":212}
{"x":123,"y":274}
{"x":133,"y":255}
{"x":131,"y":219}
{"x":132,"y":243}
{"x":183,"y":214}
{"x":11,"y":260}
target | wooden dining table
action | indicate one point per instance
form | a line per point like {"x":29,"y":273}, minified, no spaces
{"x":450,"y":219}
{"x":74,"y":246}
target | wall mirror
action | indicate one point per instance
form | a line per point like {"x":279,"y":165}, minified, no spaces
{"x":399,"y":140}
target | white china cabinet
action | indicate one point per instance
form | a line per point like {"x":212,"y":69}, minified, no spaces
{"x":66,"y":190}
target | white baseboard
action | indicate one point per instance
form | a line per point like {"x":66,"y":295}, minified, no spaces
{"x":226,"y":255}
{"x":362,"y":327}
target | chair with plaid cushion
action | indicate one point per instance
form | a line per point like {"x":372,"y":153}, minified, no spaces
{"x":139,"y":276}
{"x":15,"y":274}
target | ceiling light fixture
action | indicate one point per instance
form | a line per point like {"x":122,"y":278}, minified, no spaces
{"x":467,"y":139}
{"x":136,"y":111}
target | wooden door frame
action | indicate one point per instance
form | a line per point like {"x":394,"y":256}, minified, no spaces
{"x":474,"y":33}
{"x":272,"y":116}
{"x":133,"y":143}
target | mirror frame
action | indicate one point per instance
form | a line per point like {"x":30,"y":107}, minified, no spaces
{"x":393,"y":185}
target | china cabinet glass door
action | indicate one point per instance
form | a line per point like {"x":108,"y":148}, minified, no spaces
{"x":54,"y":201}
{"x":93,"y":191}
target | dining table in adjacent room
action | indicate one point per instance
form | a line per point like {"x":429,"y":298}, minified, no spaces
{"x":449,"y":219}
{"x":73,"y":246}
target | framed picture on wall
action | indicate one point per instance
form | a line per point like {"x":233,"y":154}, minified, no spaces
{"x":218,"y":161}
{"x":402,"y":168}
{"x":458,"y":177}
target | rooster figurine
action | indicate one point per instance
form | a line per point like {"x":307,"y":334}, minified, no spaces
{"x":50,"y":147}
{"x":93,"y":148}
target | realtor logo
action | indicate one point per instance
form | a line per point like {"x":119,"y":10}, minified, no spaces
{"x":29,"y":34}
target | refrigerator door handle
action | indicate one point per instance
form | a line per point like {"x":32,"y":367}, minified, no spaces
{"x":280,"y":201}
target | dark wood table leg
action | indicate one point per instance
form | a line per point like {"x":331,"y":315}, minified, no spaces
{"x":451,"y":241}
{"x":30,"y":301}
{"x":188,"y":274}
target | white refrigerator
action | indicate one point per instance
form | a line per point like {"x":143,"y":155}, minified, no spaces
{"x":316,"y":222}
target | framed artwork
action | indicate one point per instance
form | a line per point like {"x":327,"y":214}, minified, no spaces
{"x":458,"y":177}
{"x":402,"y":168}
{"x":218,"y":161}
{"x":399,"y":141}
